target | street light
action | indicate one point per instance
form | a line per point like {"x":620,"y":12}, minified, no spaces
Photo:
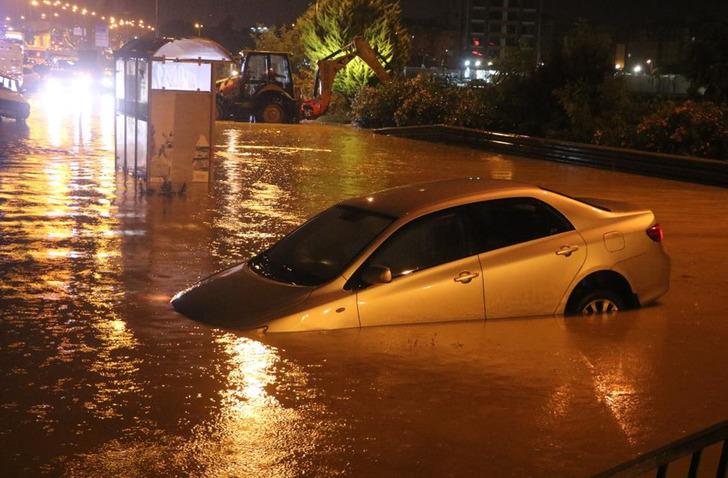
{"x":199,"y":27}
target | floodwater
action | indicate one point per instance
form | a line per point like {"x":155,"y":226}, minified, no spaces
{"x":100,"y":377}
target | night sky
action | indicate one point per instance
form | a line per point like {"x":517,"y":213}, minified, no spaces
{"x":619,"y":12}
{"x":248,"y":12}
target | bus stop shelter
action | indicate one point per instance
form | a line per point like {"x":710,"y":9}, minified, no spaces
{"x":165,"y":109}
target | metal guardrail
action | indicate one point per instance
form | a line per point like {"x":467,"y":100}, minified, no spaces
{"x":658,"y":460}
{"x":683,"y":168}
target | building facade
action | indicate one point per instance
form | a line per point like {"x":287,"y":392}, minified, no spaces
{"x":493,"y":27}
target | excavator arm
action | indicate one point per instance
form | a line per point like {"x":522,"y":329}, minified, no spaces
{"x":329,"y":67}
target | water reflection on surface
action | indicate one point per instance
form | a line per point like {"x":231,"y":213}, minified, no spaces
{"x":99,"y":369}
{"x":254,"y":431}
{"x":68,"y":355}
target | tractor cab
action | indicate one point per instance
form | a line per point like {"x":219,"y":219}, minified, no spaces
{"x":260,"y":69}
{"x":262,"y":90}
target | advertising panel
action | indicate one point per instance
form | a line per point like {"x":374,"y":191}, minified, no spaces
{"x":101,"y":36}
{"x":180,"y":148}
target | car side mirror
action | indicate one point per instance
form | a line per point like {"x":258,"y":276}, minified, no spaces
{"x":376,"y":275}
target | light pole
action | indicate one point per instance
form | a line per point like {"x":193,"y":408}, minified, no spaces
{"x":199,"y":27}
{"x":156,"y":18}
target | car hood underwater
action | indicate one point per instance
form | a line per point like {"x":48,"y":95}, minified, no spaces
{"x":238,"y":297}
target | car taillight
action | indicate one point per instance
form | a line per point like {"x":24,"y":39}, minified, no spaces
{"x":656,"y":233}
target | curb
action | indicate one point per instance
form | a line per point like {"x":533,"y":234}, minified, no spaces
{"x":682,"y":168}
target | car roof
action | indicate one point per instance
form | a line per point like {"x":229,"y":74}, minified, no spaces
{"x":415,"y":198}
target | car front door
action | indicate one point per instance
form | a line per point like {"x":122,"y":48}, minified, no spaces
{"x":530,"y":254}
{"x":435,"y":275}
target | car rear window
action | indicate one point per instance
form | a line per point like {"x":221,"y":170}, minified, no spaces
{"x":586,"y":201}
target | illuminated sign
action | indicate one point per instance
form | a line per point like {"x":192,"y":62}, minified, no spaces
{"x":14,"y":35}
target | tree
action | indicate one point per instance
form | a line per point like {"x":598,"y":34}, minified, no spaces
{"x":581,"y":81}
{"x":587,"y":56}
{"x":329,"y":25}
{"x":707,"y":65}
{"x":225,"y":33}
{"x":519,"y":59}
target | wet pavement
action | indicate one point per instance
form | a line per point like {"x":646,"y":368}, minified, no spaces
{"x":100,"y":377}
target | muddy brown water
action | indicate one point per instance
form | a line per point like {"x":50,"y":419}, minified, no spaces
{"x":101,"y":377}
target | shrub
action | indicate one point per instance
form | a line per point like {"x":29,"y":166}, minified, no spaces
{"x":375,"y":107}
{"x":603,"y":114}
{"x":520,"y":104}
{"x":576,"y":100}
{"x":473,"y":108}
{"x":507,"y":106}
{"x":616,"y":125}
{"x":339,"y":110}
{"x":429,"y":101}
{"x":698,"y":129}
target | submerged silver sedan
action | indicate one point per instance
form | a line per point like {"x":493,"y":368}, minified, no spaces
{"x":463,"y":249}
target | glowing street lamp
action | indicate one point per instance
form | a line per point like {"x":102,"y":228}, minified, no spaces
{"x":199,"y":27}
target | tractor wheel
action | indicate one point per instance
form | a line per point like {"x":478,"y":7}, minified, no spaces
{"x":221,"y":111}
{"x":272,"y":113}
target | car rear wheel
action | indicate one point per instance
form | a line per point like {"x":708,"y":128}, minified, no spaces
{"x":600,"y":302}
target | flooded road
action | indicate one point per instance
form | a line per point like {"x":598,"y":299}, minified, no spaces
{"x":101,"y":377}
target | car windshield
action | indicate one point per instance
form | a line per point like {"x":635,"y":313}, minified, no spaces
{"x":322,"y":248}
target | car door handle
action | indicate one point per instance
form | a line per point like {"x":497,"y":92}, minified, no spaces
{"x":465,"y":277}
{"x":567,"y":250}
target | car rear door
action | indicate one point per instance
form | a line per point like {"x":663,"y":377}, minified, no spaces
{"x":529,"y":252}
{"x":435,"y":275}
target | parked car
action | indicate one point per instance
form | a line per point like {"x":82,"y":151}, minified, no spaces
{"x":463,"y":249}
{"x":12,"y":103}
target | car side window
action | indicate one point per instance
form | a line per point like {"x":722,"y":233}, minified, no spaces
{"x":505,"y":222}
{"x":426,"y":242}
